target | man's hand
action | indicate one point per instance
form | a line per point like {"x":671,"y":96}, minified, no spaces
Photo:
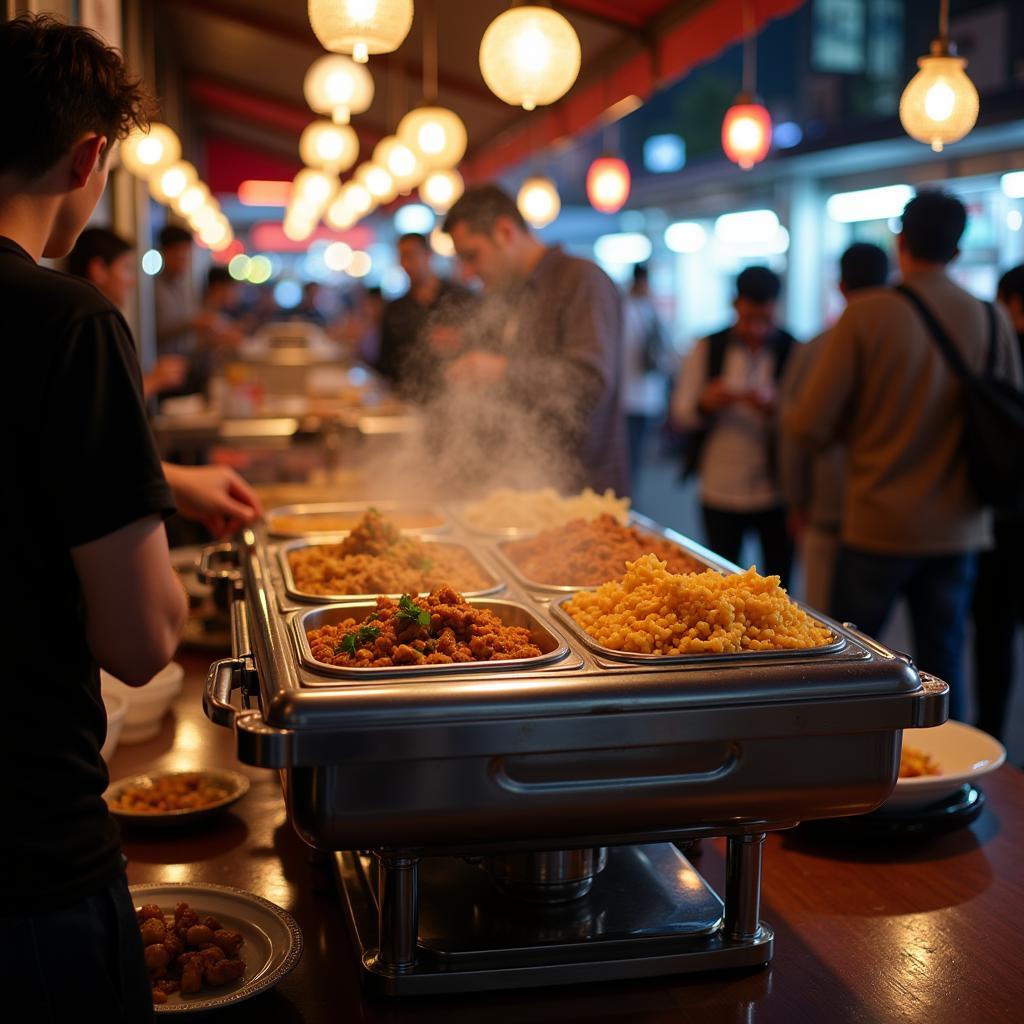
{"x":715,"y":396}
{"x":215,"y":496}
{"x":168,"y":372}
{"x":762,"y":400}
{"x":480,"y":368}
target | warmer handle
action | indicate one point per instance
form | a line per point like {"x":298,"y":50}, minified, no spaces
{"x":931,"y":705}
{"x":210,"y":572}
{"x":224,"y":677}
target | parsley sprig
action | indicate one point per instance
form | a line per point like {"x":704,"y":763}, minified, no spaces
{"x":409,"y":611}
{"x":357,"y":638}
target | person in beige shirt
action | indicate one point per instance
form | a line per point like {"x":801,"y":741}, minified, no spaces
{"x":911,"y":522}
{"x":812,"y":482}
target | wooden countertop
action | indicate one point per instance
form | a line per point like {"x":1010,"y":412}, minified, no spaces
{"x":923,"y":934}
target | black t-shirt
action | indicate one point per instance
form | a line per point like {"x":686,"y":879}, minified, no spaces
{"x":79,"y":462}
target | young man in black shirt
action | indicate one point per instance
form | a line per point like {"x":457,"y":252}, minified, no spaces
{"x":83,"y":518}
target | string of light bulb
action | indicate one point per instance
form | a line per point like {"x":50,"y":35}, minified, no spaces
{"x":154,"y":155}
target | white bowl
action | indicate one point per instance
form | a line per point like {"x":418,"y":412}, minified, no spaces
{"x":117,"y":708}
{"x":146,"y":705}
{"x":962,"y":753}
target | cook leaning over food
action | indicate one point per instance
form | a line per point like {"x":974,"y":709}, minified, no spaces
{"x":86,"y":499}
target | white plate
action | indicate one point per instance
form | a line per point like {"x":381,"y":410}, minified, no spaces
{"x":235,"y":785}
{"x":272,"y":947}
{"x":962,"y":753}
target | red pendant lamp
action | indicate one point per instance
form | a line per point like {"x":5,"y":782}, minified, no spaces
{"x":747,"y":128}
{"x":608,"y":184}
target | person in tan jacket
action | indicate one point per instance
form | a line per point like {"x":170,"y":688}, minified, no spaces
{"x":911,"y":522}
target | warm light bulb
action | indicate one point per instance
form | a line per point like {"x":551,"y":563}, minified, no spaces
{"x":608,"y":183}
{"x":746,"y":133}
{"x":940,"y":103}
{"x":360,"y":27}
{"x":146,"y":153}
{"x":378,"y":182}
{"x":440,"y":189}
{"x":538,"y":201}
{"x":530,"y":56}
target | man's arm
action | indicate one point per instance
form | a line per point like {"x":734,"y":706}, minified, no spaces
{"x":135,"y":606}
{"x":685,"y":410}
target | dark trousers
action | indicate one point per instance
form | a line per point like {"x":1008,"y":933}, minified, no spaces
{"x":997,"y":610}
{"x":81,"y":962}
{"x":938,"y":593}
{"x":725,"y":530}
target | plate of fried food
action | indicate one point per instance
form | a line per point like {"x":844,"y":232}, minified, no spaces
{"x":208,"y":946}
{"x":174,"y":797}
{"x":935,"y":763}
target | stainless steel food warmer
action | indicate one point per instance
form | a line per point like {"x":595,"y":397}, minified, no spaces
{"x":520,"y":826}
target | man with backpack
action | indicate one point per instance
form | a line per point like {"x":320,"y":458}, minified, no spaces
{"x":725,"y":401}
{"x":913,"y":519}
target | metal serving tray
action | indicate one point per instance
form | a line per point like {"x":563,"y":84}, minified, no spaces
{"x":293,"y":590}
{"x":553,"y":646}
{"x":699,"y":554}
{"x":356,"y":509}
{"x":457,"y":511}
{"x":606,"y":655}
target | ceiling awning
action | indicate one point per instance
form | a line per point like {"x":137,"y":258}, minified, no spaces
{"x":240,"y":65}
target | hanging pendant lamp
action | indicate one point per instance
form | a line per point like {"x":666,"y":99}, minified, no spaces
{"x":538,"y":201}
{"x":360,"y":27}
{"x":608,"y":184}
{"x":940,"y":103}
{"x":747,"y":126}
{"x":338,"y":87}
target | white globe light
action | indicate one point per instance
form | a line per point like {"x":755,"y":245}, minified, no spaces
{"x":192,"y":199}
{"x":940,"y":103}
{"x":441,"y":242}
{"x":339,"y":87}
{"x":297,"y":229}
{"x":378,"y":182}
{"x":440,"y":189}
{"x":315,"y":187}
{"x":145,"y":153}
{"x":400,"y":161}
{"x":205,"y":217}
{"x":167,"y":185}
{"x":340,"y":215}
{"x":357,"y":198}
{"x":538,"y":201}
{"x":360,"y":264}
{"x":328,"y":147}
{"x":360,"y":27}
{"x":337,"y":256}
{"x":436,"y":134}
{"x":530,"y":56}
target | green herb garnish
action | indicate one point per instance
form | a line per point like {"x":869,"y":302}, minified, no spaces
{"x":358,"y":638}
{"x":409,"y":611}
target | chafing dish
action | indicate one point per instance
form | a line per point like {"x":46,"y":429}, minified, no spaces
{"x":294,"y":591}
{"x":433,"y":520}
{"x":495,"y":829}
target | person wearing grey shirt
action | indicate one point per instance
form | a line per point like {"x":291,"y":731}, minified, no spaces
{"x":555,"y":369}
{"x":812,"y":483}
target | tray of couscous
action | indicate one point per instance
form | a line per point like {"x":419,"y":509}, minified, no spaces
{"x":654,"y":615}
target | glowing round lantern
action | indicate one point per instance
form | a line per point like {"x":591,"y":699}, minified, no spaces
{"x":316,"y":187}
{"x":940,"y":103}
{"x":338,"y":86}
{"x":746,"y":133}
{"x":538,"y":201}
{"x":166,"y":185}
{"x":440,"y":189}
{"x":378,"y":182}
{"x":436,"y":134}
{"x":400,"y":161}
{"x":530,"y":56}
{"x":145,"y":153}
{"x":608,"y":184}
{"x":360,"y":27}
{"x":194,"y":196}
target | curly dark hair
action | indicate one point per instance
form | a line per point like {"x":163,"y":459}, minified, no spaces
{"x":61,"y":81}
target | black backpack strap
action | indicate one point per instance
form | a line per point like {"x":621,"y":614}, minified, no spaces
{"x":938,"y":333}
{"x":990,"y":359}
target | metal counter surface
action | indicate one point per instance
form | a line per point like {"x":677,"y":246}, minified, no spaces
{"x":920,"y":932}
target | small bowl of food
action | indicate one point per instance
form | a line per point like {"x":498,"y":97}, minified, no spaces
{"x":935,"y":763}
{"x":174,"y":797}
{"x":147,"y":704}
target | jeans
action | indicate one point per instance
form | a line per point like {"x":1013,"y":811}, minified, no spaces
{"x":938,"y":591}
{"x":724,"y":531}
{"x":997,"y":611}
{"x":81,"y":962}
